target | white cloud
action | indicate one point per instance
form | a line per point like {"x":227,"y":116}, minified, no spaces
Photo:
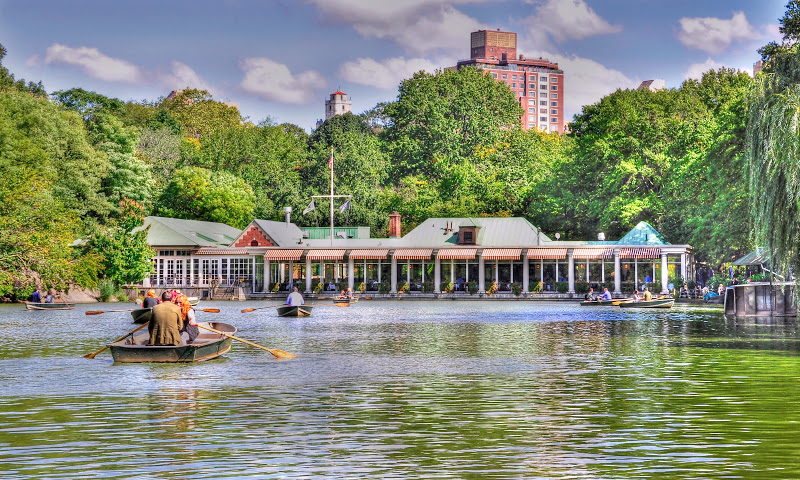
{"x":417,"y":26}
{"x":274,"y":82}
{"x":696,"y":70}
{"x":94,"y":63}
{"x":385,"y":74}
{"x":713,"y":35}
{"x":183,"y":76}
{"x":567,"y":19}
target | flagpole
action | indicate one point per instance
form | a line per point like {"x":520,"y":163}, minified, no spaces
{"x":331,"y":162}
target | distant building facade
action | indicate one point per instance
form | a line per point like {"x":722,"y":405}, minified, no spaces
{"x":758,"y":67}
{"x":653,"y":85}
{"x":538,"y":84}
{"x":338,"y":104}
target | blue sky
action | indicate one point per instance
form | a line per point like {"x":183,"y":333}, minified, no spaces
{"x":281,"y":59}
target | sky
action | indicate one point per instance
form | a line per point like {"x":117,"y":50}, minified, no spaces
{"x":281,"y":59}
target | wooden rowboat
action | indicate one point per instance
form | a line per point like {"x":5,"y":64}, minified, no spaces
{"x":298,"y":311}
{"x":49,"y":306}
{"x":205,"y":347}
{"x":658,"y":303}
{"x":141,"y":315}
{"x":343,"y":301}
{"x":607,"y":303}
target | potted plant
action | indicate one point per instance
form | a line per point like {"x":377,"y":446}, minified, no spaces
{"x":403,"y":288}
{"x":318,"y":288}
{"x":362,"y":287}
{"x":385,"y":288}
{"x":492,"y":289}
{"x":447,"y":287}
{"x":516,"y":289}
{"x":472,"y":287}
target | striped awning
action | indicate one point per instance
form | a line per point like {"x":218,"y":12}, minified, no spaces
{"x":367,"y":254}
{"x":221,"y":251}
{"x":501,"y":253}
{"x":593,"y":253}
{"x":292,"y":255}
{"x":547,"y":253}
{"x":413,"y":253}
{"x":645,"y":252}
{"x":332,"y":254}
{"x":457,"y":253}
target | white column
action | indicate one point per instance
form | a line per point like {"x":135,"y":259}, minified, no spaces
{"x":350,"y":277}
{"x":437,"y":274}
{"x":308,"y":275}
{"x":571,"y":273}
{"x":683,"y":266}
{"x":267,"y":273}
{"x":664,"y":274}
{"x":617,"y":278}
{"x":602,"y":270}
{"x":291,"y":273}
{"x":526,"y":282}
{"x":394,"y":275}
{"x":587,"y":270}
{"x":481,"y":275}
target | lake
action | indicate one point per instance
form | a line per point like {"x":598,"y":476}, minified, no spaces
{"x":409,"y":389}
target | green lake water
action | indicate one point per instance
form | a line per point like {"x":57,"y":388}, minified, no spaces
{"x":410,"y":389}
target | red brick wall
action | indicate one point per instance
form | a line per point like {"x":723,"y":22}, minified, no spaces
{"x":253,"y":233}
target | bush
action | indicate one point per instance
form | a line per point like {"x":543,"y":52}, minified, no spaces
{"x":581,"y":287}
{"x":385,"y":288}
{"x":318,"y":288}
{"x":627,"y":287}
{"x":341,"y":285}
{"x":362,"y":287}
{"x":427,"y":286}
{"x":562,"y":287}
{"x":108,"y":289}
{"x":516,"y":289}
{"x":678,"y":282}
{"x":472,"y":287}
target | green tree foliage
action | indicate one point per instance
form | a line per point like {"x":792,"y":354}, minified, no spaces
{"x":199,"y":113}
{"x":441,"y":119}
{"x":87,"y":104}
{"x":122,"y":245}
{"x":199,"y":194}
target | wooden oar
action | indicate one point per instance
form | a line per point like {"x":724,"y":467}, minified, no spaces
{"x":98,"y":312}
{"x":248,"y":310}
{"x":277,"y":353}
{"x":92,"y":355}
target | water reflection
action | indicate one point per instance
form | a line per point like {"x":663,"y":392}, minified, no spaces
{"x":410,"y":390}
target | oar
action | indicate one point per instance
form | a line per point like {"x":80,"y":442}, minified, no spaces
{"x":98,"y":312}
{"x":277,"y":353}
{"x":248,"y":310}
{"x":92,"y":355}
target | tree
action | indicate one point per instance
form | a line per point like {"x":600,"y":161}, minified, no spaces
{"x":199,"y":194}
{"x":442,"y":118}
{"x":122,"y":245}
{"x":199,"y":113}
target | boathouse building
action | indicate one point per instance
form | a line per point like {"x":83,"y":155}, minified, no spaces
{"x":439,"y":255}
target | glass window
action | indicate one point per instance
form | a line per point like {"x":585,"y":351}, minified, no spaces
{"x":553,"y":128}
{"x":531,"y":110}
{"x":553,"y":87}
{"x":532,"y":118}
{"x":553,"y":95}
{"x":543,"y":94}
{"x":542,"y":110}
{"x":543,"y":103}
{"x":554,"y":120}
{"x":542,"y":79}
{"x":513,"y":77}
{"x":531,"y":93}
{"x":531,"y":102}
{"x":553,"y":112}
{"x":542,"y":119}
{"x":505,"y":76}
{"x":553,"y":104}
{"x":513,"y":85}
{"x":554,"y":79}
{"x":543,"y":87}
{"x":531,"y":85}
{"x":494,"y":75}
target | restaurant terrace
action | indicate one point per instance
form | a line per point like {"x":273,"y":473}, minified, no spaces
{"x":441,"y":255}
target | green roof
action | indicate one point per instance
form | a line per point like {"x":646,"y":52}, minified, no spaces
{"x":756,"y":257}
{"x":642,"y":234}
{"x":176,"y":232}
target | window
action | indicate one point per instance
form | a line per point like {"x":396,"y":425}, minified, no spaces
{"x":505,"y":76}
{"x":531,"y":110}
{"x":553,"y":87}
{"x":494,"y":75}
{"x":554,"y":112}
{"x":543,"y":119}
{"x":553,"y":128}
{"x":532,"y":85}
{"x":543,"y":87}
{"x":553,"y":95}
{"x":532,"y":93}
{"x":543,"y":103}
{"x":531,"y":101}
{"x":554,"y":79}
{"x":543,"y":127}
{"x":468,"y":237}
{"x":542,"y":79}
{"x":554,"y":120}
{"x":553,"y":104}
{"x":513,"y":85}
{"x":532,"y":118}
{"x":543,"y":95}
{"x":513,"y":77}
{"x":542,"y":110}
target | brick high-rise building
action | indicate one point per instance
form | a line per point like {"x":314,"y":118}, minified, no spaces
{"x":538,"y":84}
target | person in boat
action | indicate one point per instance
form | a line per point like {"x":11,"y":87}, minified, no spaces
{"x":589,"y":295}
{"x":350,"y":293}
{"x":647,"y":296}
{"x":636,"y":296}
{"x":166,"y":322}
{"x":48,"y":298}
{"x":190,"y":329}
{"x":150,"y":299}
{"x":606,"y":295}
{"x":343,"y":294}
{"x":36,"y":296}
{"x":295,"y":299}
